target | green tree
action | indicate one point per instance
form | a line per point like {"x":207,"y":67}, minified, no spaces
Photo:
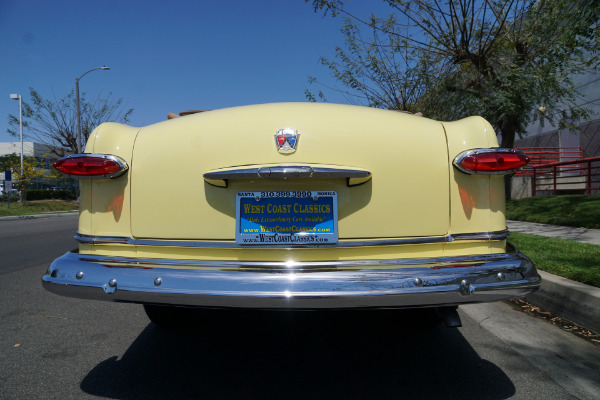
{"x":376,"y":71}
{"x":30,"y":170}
{"x":501,"y":59}
{"x":54,"y":121}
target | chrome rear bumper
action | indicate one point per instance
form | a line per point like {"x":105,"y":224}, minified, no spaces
{"x":301,"y":285}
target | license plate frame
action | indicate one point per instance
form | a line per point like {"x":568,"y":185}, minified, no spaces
{"x":304,"y":218}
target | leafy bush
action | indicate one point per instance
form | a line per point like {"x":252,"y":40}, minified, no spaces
{"x":13,"y":197}
{"x":41,"y":194}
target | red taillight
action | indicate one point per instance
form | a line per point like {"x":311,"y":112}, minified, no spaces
{"x":91,"y":166}
{"x":490,"y":161}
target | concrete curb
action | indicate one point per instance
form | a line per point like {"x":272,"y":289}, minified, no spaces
{"x":577,"y":302}
{"x":36,"y":216}
{"x":567,"y":359}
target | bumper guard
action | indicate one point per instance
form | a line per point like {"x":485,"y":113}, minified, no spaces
{"x":401,"y":283}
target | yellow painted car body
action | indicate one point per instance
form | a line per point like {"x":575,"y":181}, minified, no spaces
{"x":414,"y":191}
{"x":170,"y":211}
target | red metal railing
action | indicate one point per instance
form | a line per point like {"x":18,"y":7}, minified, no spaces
{"x":581,"y":175}
{"x":540,"y":156}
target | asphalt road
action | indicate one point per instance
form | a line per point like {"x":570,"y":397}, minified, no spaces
{"x":26,"y":242}
{"x":59,"y":348}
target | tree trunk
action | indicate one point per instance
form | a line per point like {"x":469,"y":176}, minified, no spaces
{"x":508,"y":138}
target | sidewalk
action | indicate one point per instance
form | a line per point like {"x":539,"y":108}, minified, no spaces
{"x":577,"y":302}
{"x":51,"y":214}
{"x":562,"y":232}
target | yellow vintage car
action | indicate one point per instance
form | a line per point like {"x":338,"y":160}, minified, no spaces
{"x":293,"y":206}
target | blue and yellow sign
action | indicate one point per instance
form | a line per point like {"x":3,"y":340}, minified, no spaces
{"x":299,"y":217}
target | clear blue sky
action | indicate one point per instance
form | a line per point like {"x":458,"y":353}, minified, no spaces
{"x":166,"y":55}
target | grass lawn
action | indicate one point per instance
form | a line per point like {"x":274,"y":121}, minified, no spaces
{"x":580,"y":211}
{"x":573,"y":260}
{"x":37,"y":207}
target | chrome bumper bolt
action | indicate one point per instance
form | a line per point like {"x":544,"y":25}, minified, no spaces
{"x":501,"y":277}
{"x":418,"y":282}
{"x":112,"y":283}
{"x":79,"y":275}
{"x":157,"y":281}
{"x":465,"y":288}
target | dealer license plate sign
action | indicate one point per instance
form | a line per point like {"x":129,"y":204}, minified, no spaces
{"x":288,"y":218}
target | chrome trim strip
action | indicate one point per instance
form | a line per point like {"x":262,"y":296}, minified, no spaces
{"x":496,"y":235}
{"x":90,"y":239}
{"x":329,"y":284}
{"x":285,"y":172}
{"x":355,"y":176}
{"x":123,"y":167}
{"x":293,"y":265}
{"x":467,"y":153}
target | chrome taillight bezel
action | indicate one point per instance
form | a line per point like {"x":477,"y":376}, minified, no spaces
{"x":472,"y":152}
{"x":123,"y":167}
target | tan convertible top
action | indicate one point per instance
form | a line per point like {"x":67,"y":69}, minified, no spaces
{"x":172,"y":115}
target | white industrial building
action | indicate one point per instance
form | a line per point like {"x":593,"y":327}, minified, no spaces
{"x":544,"y":134}
{"x":30,"y":149}
{"x":545,"y":143}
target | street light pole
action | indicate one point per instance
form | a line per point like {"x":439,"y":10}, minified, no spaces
{"x":77,"y":101}
{"x":18,"y":97}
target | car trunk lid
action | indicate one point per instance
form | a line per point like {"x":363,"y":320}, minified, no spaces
{"x":391,"y":169}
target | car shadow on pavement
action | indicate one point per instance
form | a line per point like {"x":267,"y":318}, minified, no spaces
{"x":328,"y":355}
